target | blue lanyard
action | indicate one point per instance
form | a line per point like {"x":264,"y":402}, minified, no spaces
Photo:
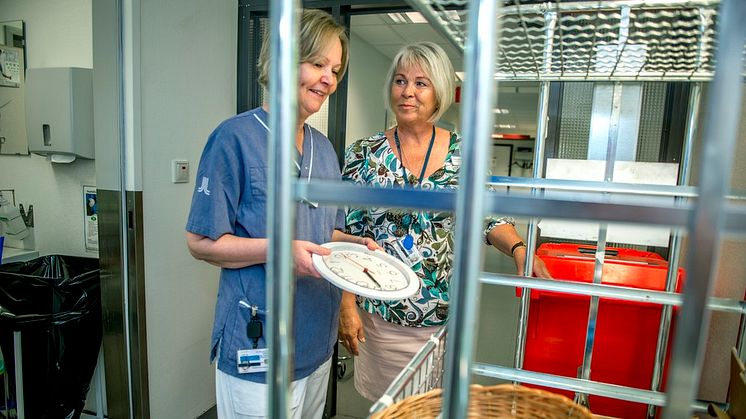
{"x":427,"y":156}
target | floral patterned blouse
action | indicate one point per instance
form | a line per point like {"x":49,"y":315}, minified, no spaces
{"x":372,"y":162}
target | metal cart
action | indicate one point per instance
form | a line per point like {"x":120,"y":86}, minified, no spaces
{"x":423,"y":373}
{"x":613,"y":41}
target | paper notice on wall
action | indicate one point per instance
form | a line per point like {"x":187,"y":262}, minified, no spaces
{"x":90,"y":218}
{"x":11,"y":66}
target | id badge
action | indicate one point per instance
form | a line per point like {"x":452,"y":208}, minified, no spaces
{"x":405,"y":250}
{"x":252,"y":360}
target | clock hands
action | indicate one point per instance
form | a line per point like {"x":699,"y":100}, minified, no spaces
{"x":365,"y":270}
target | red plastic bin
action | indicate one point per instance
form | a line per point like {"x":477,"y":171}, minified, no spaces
{"x":626,"y":331}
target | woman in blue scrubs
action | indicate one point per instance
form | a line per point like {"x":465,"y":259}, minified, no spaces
{"x":227,"y":228}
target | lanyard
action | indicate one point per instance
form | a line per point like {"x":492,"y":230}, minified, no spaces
{"x":424,"y":164}
{"x":310,"y":133}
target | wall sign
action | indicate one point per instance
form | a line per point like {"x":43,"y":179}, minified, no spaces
{"x":90,"y":218}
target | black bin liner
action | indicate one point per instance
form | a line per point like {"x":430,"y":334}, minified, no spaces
{"x":55,"y":302}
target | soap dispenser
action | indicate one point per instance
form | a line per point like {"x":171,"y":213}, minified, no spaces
{"x":11,"y":221}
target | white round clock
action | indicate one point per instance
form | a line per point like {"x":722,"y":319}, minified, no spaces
{"x":369,"y":273}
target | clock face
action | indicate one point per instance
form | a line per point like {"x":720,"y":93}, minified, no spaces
{"x":374,"y":274}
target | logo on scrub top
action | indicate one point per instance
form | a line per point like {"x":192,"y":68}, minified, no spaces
{"x":203,"y":188}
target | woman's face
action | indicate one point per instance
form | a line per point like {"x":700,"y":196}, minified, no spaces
{"x":412,"y":95}
{"x":318,"y":79}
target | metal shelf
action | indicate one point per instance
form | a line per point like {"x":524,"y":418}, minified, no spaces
{"x":593,"y":40}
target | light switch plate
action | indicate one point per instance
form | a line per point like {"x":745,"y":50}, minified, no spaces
{"x":179,"y":171}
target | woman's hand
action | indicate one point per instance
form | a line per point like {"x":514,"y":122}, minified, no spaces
{"x":540,"y":270}
{"x":370,"y":243}
{"x":338,"y":236}
{"x":302,"y":252}
{"x":350,"y":327}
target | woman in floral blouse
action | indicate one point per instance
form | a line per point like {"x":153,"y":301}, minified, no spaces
{"x":415,"y":153}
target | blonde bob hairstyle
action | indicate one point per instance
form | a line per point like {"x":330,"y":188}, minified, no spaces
{"x":317,"y":30}
{"x":433,"y":61}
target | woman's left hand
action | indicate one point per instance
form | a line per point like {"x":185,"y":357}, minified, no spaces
{"x":370,"y":243}
{"x":338,"y":236}
{"x":540,"y":269}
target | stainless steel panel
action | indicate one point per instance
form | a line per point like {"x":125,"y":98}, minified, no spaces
{"x":575,"y":120}
{"x":125,"y":362}
{"x":651,"y":121}
{"x":626,"y":118}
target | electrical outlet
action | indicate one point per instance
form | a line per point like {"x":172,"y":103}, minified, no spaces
{"x":9,"y":194}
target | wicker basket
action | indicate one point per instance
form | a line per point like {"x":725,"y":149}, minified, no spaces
{"x":499,"y":401}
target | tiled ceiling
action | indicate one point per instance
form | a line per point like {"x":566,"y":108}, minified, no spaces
{"x":519,"y":98}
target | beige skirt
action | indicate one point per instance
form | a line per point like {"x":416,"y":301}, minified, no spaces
{"x":387,"y":349}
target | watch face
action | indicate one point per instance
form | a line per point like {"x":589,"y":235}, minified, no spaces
{"x":374,"y":274}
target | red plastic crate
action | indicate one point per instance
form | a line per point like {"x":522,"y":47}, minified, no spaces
{"x":626,"y":331}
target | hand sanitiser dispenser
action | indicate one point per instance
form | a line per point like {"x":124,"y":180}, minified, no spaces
{"x":59,"y":112}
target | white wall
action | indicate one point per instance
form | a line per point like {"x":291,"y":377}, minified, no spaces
{"x":187,"y":86}
{"x":58,"y":34}
{"x":366,"y":112}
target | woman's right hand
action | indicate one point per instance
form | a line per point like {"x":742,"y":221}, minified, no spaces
{"x":302,"y":252}
{"x":350,"y":327}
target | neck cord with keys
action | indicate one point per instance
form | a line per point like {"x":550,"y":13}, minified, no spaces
{"x":310,"y":134}
{"x":427,"y":156}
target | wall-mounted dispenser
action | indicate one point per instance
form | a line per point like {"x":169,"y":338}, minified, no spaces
{"x":59,"y":112}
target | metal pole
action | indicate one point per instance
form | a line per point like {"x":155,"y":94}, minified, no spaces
{"x":611,"y":149}
{"x":127,"y":62}
{"x":720,"y":133}
{"x":283,"y":97}
{"x":550,"y":20}
{"x":18,"y":355}
{"x":676,"y":241}
{"x":476,"y":117}
{"x":726,"y":305}
{"x":531,"y":234}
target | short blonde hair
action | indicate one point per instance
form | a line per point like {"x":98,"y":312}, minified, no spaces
{"x":431,"y":59}
{"x":317,"y":29}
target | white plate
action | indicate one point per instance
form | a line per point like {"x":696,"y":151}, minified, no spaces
{"x":387,"y":277}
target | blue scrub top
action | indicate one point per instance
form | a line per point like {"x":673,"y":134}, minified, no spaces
{"x":231,"y":198}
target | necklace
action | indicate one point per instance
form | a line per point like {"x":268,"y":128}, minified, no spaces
{"x":427,"y":156}
{"x":297,"y":165}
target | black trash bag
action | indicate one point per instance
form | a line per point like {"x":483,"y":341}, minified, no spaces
{"x":55,"y":302}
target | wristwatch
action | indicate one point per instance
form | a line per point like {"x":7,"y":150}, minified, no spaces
{"x":517,"y":245}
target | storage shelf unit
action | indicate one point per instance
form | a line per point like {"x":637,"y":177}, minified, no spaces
{"x":612,"y":32}
{"x":610,"y":42}
{"x":594,"y":40}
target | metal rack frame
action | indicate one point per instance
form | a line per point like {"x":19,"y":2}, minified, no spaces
{"x":594,"y":40}
{"x":706,"y":219}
